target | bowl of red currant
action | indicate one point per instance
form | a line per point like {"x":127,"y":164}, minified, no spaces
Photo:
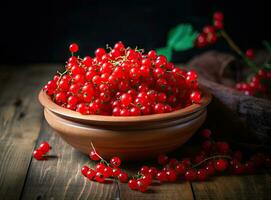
{"x":126,"y":102}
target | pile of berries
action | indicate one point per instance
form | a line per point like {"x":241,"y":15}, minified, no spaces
{"x":214,"y":158}
{"x":209,"y":35}
{"x":123,"y":82}
{"x":43,"y":149}
{"x":258,"y":84}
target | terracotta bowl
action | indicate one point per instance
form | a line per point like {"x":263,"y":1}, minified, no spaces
{"x":132,"y":138}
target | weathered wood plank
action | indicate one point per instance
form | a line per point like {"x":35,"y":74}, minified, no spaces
{"x":235,"y":187}
{"x":60,"y":177}
{"x":20,"y":118}
{"x":170,"y":191}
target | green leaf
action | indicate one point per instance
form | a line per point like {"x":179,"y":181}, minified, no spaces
{"x":166,"y":51}
{"x":267,"y":46}
{"x":182,"y":37}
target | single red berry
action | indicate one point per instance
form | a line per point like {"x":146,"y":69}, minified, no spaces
{"x":44,"y":147}
{"x":123,"y":177}
{"x":108,"y":172}
{"x":116,"y":172}
{"x":190,"y":175}
{"x":218,"y":24}
{"x":208,"y":29}
{"x":38,"y":155}
{"x":132,"y":183}
{"x":250,"y":53}
{"x":100,"y":167}
{"x":91,"y":174}
{"x":153,"y":171}
{"x":142,"y":186}
{"x":218,"y":16}
{"x":84,"y":170}
{"x":147,"y":178}
{"x":202,"y":174}
{"x":74,"y":47}
{"x":221,"y":165}
{"x":171,"y":175}
{"x":201,"y":41}
{"x":162,"y":159}
{"x":223,"y":147}
{"x":206,"y":133}
{"x":115,"y":161}
{"x":238,"y":168}
{"x":94,"y":156}
{"x":180,"y":169}
{"x":99,"y":177}
{"x":152,"y":54}
{"x":210,"y":169}
{"x":100,"y":52}
{"x":195,"y":97}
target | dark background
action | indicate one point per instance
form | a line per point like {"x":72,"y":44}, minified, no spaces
{"x":40,"y":31}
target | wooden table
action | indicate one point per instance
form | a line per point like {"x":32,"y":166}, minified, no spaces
{"x":22,"y":128}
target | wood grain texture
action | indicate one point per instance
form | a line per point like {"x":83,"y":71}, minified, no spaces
{"x":60,"y":176}
{"x":167,"y":191}
{"x":248,"y":187}
{"x":20,"y":118}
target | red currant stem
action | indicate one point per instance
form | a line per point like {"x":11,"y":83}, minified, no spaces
{"x":210,"y":158}
{"x":237,"y":49}
{"x":108,"y":47}
{"x":177,"y":74}
{"x":102,"y":160}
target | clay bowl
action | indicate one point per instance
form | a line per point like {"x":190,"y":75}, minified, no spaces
{"x":132,"y":138}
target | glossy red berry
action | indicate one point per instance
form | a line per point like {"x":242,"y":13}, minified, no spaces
{"x":74,"y":47}
{"x":99,"y":177}
{"x":250,"y":53}
{"x":123,"y":177}
{"x":91,"y":174}
{"x":190,"y":175}
{"x":44,"y":147}
{"x":38,"y":155}
{"x":163,"y":159}
{"x":171,"y":175}
{"x":94,"y":156}
{"x":142,"y":186}
{"x":218,"y":16}
{"x":84,"y":170}
{"x":115,"y":161}
{"x":221,"y":165}
{"x":132,"y":183}
{"x":202,"y":174}
{"x":195,"y":97}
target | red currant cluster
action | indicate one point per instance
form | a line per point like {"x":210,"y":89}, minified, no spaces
{"x":209,"y":32}
{"x":257,"y":85}
{"x":214,"y":158}
{"x":123,"y":82}
{"x":41,"y":151}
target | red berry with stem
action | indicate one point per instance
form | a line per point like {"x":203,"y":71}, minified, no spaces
{"x":132,"y":183}
{"x":115,"y":161}
{"x":84,"y":170}
{"x":221,"y":165}
{"x":74,"y":47}
{"x":44,"y":147}
{"x":123,"y":177}
{"x":38,"y":155}
{"x":94,"y":156}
